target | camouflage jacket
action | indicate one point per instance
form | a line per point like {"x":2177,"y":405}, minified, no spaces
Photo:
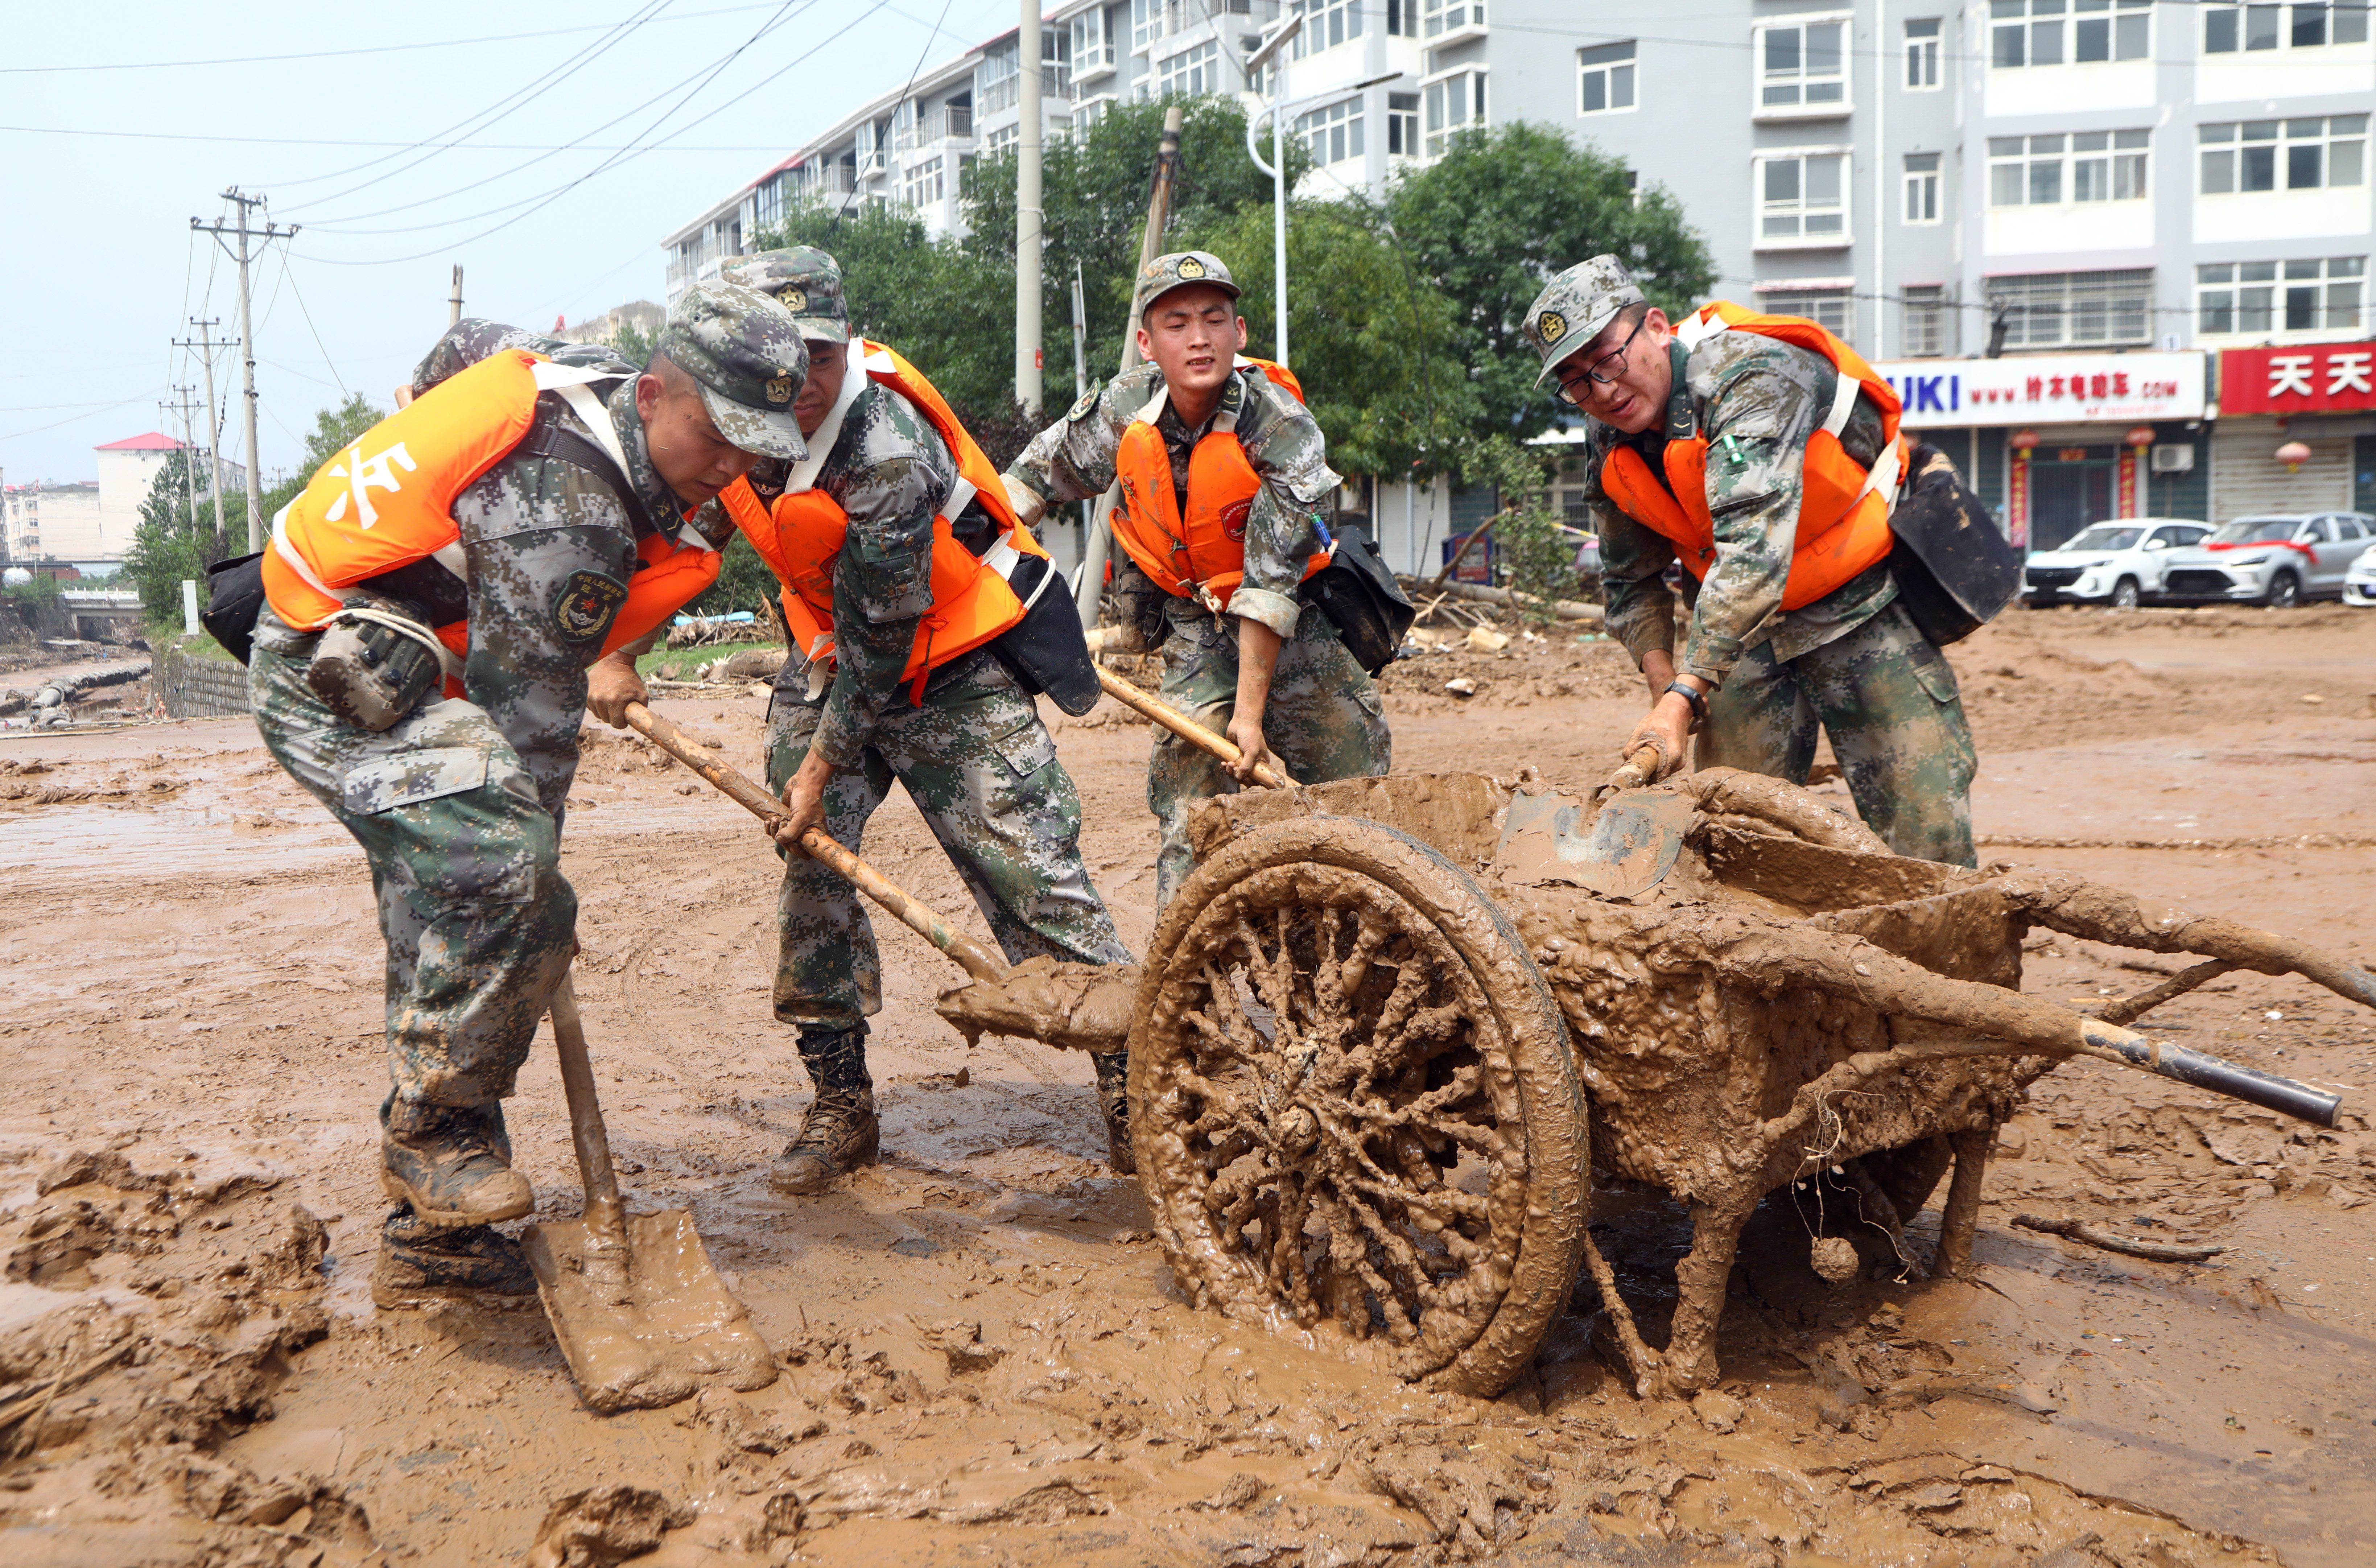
{"x":536,"y":534}
{"x":1073,"y":459}
{"x":1757,"y":401}
{"x":889,"y":471}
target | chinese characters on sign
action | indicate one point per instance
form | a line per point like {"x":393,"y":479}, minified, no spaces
{"x":2302,"y":378}
{"x":2059,"y":388}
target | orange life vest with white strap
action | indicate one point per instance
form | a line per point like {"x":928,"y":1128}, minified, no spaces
{"x":387,"y":502}
{"x":1202,"y":556}
{"x":1842,"y":508}
{"x":801,"y":536}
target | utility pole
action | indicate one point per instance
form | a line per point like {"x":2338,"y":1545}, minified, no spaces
{"x":189,"y":449}
{"x":1029,"y":219}
{"x":454,"y":301}
{"x":207,"y":345}
{"x":247,"y":339}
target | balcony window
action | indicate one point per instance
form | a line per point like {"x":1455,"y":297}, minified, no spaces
{"x":1146,"y":22}
{"x":2046,"y":170}
{"x":1832,"y":309}
{"x":1605,"y":79}
{"x":1191,"y":72}
{"x":2319,"y":151}
{"x":1453,"y":104}
{"x":2026,"y":33}
{"x":1802,"y":69}
{"x":1092,"y":47}
{"x":2051,"y":310}
{"x":1802,"y":199}
{"x":1402,"y":124}
{"x":1327,"y":24}
{"x":1440,"y":16}
{"x":2236,"y":29}
{"x":1334,"y":134}
{"x":1923,"y":53}
{"x":2321,"y":295}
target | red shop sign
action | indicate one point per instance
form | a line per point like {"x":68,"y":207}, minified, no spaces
{"x":2305,"y":379}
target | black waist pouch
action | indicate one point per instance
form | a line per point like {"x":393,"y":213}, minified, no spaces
{"x":1357,"y":593}
{"x":1046,"y":651}
{"x":1955,"y":569}
{"x":234,"y":598}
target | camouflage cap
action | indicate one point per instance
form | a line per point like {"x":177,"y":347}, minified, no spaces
{"x":744,"y":351}
{"x":1177,"y":271}
{"x":804,"y":280}
{"x":1576,"y":306}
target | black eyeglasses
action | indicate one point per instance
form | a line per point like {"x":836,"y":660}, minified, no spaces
{"x":1604,"y":371}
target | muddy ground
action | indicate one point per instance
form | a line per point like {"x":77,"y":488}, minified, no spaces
{"x":985,"y":1361}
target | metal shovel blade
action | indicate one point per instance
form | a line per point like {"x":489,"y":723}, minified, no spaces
{"x":1629,"y":846}
{"x":646,"y":1323}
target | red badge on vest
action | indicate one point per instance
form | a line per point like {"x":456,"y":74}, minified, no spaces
{"x":1233,"y":518}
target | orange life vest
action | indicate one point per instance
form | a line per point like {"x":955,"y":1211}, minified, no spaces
{"x":1843,"y":508}
{"x":1202,"y":556}
{"x":388,"y":501}
{"x":801,"y":536}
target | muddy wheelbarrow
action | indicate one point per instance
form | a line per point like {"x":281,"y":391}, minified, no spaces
{"x":1382,"y":1046}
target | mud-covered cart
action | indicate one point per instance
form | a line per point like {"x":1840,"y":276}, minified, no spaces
{"x":1385,"y":1035}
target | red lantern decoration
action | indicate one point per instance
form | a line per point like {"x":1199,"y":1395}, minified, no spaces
{"x":2142,"y":435}
{"x":2025,"y":440}
{"x":2293,"y":455}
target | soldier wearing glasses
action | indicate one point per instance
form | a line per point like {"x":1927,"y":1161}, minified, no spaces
{"x":1729,"y":445}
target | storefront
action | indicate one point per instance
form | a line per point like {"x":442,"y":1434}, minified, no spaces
{"x":2055,"y":442}
{"x":2297,"y":430}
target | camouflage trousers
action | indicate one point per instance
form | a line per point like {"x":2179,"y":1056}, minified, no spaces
{"x":1324,"y":721}
{"x":465,"y":863}
{"x":1886,"y":697}
{"x":981,"y":767}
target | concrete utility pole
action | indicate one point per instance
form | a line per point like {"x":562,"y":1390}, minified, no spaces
{"x":247,"y":339}
{"x":1029,"y":219}
{"x":454,"y":301}
{"x":205,"y":345}
{"x":189,"y":449}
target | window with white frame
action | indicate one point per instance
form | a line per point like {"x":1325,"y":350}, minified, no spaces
{"x":2049,"y":310}
{"x":1093,"y":48}
{"x":1802,"y":69}
{"x":2306,"y":153}
{"x":1191,"y":72}
{"x":924,"y":185}
{"x":1832,"y":309}
{"x":1921,"y":53}
{"x":1146,"y":22}
{"x":1402,"y":124}
{"x":1326,"y":23}
{"x":2055,"y":33}
{"x":1440,"y":16}
{"x":2322,"y":295}
{"x":1927,"y":319}
{"x":1453,"y":104}
{"x":2046,"y":170}
{"x":1923,"y":187}
{"x":1604,"y":79}
{"x":1332,"y":134}
{"x":1000,"y":139}
{"x":1089,"y":110}
{"x":1802,"y":199}
{"x":2236,"y":30}
{"x":1402,"y":18}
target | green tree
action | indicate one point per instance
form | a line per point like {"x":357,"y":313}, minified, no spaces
{"x":1368,"y":337}
{"x":1501,"y":212}
{"x":1537,"y":554}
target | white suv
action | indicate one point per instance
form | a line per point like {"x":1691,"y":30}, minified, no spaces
{"x":2121,"y":563}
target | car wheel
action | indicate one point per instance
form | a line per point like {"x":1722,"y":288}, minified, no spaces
{"x":2285,"y":591}
{"x":2125,"y":595}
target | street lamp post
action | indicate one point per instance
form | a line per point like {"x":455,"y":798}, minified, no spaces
{"x":1265,"y":53}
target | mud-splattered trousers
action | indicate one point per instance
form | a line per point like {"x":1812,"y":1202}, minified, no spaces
{"x":981,"y":768}
{"x":1324,"y":721}
{"x":458,"y":807}
{"x":1887,"y":698}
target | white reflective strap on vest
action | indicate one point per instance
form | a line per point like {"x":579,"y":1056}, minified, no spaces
{"x":576,"y":387}
{"x":1844,"y":397}
{"x":961,"y":495}
{"x":1698,"y":327}
{"x":801,"y":476}
{"x":1154,"y":409}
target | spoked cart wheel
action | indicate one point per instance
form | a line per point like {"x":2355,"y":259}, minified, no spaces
{"x":1354,"y":1105}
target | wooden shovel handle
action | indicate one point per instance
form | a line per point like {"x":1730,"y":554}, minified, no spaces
{"x":916,"y":915}
{"x":1636,"y":770}
{"x":1187,"y":729}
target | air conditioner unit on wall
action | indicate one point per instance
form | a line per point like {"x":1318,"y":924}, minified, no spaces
{"x":2173,"y":459}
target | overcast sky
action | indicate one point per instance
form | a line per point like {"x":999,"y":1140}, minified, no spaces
{"x":103,"y":270}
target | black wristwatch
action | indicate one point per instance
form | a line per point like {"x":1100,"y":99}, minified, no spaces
{"x":1692,"y":695}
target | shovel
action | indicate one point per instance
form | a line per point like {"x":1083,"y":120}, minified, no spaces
{"x":641,"y":1315}
{"x":1187,"y":729}
{"x":1629,"y":848}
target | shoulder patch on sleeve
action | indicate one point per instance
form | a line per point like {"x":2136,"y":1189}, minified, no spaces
{"x":1084,"y":407}
{"x":586,"y":605}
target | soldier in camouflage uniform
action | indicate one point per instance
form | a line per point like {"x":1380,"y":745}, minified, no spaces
{"x":1761,"y":679}
{"x":974,"y":757}
{"x":1271,"y":673}
{"x":458,"y":806}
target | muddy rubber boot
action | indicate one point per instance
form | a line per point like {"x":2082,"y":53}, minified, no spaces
{"x":1113,"y":1100}
{"x":451,"y":1164}
{"x":840,"y":1131}
{"x":419,"y":1263}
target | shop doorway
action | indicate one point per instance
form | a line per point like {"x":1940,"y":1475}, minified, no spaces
{"x":2069,"y":490}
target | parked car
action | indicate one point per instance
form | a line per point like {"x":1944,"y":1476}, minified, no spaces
{"x":2119,"y":563}
{"x":2360,"y":582}
{"x":2274,"y":560}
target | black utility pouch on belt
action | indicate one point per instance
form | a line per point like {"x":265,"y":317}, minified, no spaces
{"x":234,"y":598}
{"x":1955,"y":570}
{"x":1357,"y":592}
{"x":1046,"y":650}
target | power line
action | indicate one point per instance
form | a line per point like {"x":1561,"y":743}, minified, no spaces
{"x":291,"y":273}
{"x":397,"y":146}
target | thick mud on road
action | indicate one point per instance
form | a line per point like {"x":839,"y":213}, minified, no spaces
{"x":985,"y":1361}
